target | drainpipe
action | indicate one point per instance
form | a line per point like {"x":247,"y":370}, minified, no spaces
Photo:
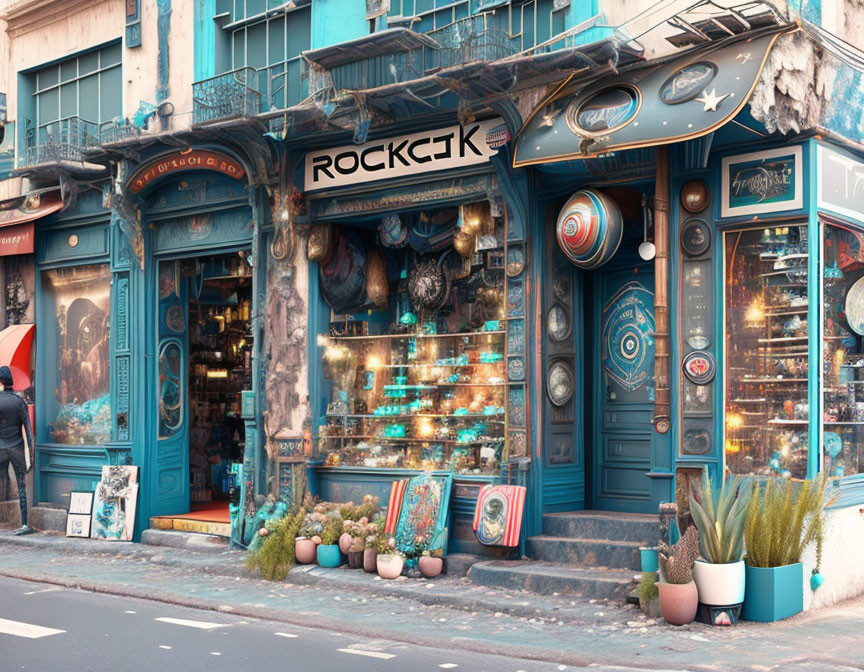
{"x":662,"y":404}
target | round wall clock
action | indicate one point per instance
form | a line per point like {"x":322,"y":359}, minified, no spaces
{"x":560,"y":383}
{"x":557,"y":323}
{"x":855,"y":307}
{"x":699,"y":367}
{"x":695,"y":237}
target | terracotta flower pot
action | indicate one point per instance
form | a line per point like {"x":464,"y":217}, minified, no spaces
{"x":370,"y":560}
{"x":430,"y":567}
{"x":345,"y":543}
{"x":355,"y":559}
{"x":305,"y":550}
{"x":390,"y":565}
{"x":678,"y":602}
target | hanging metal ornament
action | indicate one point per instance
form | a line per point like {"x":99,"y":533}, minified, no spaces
{"x":392,"y":232}
{"x":427,"y":285}
{"x":464,"y":243}
{"x":377,"y":285}
{"x":647,"y":251}
{"x":319,"y":245}
{"x":589,"y":229}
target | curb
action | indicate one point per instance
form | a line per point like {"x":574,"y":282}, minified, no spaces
{"x":511,"y":603}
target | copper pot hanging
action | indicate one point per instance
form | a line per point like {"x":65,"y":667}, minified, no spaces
{"x":319,"y":245}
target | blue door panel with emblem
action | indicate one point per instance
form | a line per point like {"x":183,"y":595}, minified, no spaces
{"x":621,"y":390}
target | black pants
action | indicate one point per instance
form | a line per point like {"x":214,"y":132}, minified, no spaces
{"x":16,"y":457}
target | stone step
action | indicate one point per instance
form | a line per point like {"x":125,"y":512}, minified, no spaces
{"x":641,"y":528}
{"x":186,"y":524}
{"x":586,"y":552}
{"x":547,"y":578}
{"x":189,"y":541}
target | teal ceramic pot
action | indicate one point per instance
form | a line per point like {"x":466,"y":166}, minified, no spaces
{"x":773,"y":593}
{"x":648,"y":557}
{"x":329,"y":556}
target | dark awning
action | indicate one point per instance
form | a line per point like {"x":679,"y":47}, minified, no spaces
{"x":656,"y":104}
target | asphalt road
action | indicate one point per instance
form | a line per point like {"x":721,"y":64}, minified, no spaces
{"x":45,"y":628}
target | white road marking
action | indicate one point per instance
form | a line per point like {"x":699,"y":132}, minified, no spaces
{"x":27,"y":630}
{"x":201,"y":625}
{"x":44,"y":590}
{"x":163,"y":646}
{"x":129,"y":612}
{"x":215,"y":653}
{"x":448,"y":666}
{"x":370,"y":654}
{"x":285,"y":634}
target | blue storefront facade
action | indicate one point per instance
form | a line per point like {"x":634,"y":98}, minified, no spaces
{"x":384,"y":258}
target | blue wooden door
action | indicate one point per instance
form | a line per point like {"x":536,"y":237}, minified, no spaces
{"x":622,"y":393}
{"x":169,"y":466}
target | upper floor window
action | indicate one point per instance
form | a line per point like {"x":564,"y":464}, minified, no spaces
{"x":88,"y":86}
{"x":271,"y":42}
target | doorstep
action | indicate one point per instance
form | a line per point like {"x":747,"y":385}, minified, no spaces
{"x":189,"y":524}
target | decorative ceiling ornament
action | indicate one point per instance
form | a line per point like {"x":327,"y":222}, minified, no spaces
{"x":589,"y":229}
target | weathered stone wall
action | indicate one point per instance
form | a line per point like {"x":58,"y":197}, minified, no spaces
{"x":286,"y":403}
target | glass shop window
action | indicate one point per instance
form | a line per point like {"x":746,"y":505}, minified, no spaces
{"x":843,"y":351}
{"x":77,"y":301}
{"x":417,"y":344}
{"x":766,"y":300}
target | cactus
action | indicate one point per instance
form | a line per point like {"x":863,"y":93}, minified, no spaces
{"x":676,"y":562}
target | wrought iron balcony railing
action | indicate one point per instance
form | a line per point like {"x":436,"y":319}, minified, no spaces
{"x":116,"y":130}
{"x":227,"y":96}
{"x":368,"y":73}
{"x":62,"y":140}
{"x":470,"y":40}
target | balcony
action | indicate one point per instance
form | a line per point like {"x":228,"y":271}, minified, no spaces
{"x":471,"y":40}
{"x":231,"y":95}
{"x":62,"y":140}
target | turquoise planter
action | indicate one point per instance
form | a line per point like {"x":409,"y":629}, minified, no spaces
{"x":648,"y":557}
{"x":773,"y":593}
{"x":329,"y":556}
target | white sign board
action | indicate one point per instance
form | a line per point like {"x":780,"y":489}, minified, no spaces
{"x":841,"y":183}
{"x":429,"y":151}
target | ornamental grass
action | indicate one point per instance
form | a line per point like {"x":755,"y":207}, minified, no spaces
{"x":276,"y":555}
{"x":783,"y":519}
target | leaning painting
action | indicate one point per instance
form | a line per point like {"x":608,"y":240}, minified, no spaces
{"x":114,"y":508}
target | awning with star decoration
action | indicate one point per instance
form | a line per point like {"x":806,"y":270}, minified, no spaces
{"x":645,"y":105}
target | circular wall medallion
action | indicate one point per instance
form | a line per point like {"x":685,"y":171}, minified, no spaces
{"x":661,"y":424}
{"x":855,"y":307}
{"x":695,"y":196}
{"x":604,"y":111}
{"x":589,"y":229}
{"x":73,"y":240}
{"x":557,"y":323}
{"x":174,"y":319}
{"x":515,"y":261}
{"x":697,"y":442}
{"x":695,"y":237}
{"x":560,"y":383}
{"x":699,"y":367}
{"x":687,"y":83}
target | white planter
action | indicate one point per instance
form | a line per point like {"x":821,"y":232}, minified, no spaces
{"x":719,"y":585}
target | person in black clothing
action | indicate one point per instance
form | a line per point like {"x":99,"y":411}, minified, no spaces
{"x":13,"y":418}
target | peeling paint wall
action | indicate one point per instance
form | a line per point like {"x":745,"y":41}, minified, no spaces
{"x":796,"y":84}
{"x":285,"y":353}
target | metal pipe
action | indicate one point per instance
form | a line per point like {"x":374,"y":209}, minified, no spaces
{"x":662,"y":404}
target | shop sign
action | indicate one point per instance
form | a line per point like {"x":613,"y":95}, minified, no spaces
{"x":761,"y":182}
{"x":16,"y":239}
{"x":429,"y":151}
{"x":196,"y":159}
{"x":841,"y":183}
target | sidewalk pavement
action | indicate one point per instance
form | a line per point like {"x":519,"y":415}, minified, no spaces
{"x":443,"y":612}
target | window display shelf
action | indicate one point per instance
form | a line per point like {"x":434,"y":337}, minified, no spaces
{"x":772,"y":381}
{"x":782,"y":339}
{"x":461,"y":334}
{"x":432,"y":442}
{"x":469,"y":416}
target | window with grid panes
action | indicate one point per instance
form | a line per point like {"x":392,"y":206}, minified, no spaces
{"x":271,"y":45}
{"x":89,"y":86}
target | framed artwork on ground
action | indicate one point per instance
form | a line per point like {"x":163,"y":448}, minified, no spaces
{"x":78,"y":525}
{"x":81,"y":502}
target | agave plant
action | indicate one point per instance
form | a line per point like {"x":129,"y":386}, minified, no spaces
{"x":720,"y":514}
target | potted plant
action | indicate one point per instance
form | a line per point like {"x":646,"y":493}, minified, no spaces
{"x":345,"y":537}
{"x":719,"y":514}
{"x":328,"y":550}
{"x":783,"y":519}
{"x":370,"y":553}
{"x":430,"y":565}
{"x":389,"y":561}
{"x":357,"y":546}
{"x":679,"y":598}
{"x":649,"y":596}
{"x":305,"y":548}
